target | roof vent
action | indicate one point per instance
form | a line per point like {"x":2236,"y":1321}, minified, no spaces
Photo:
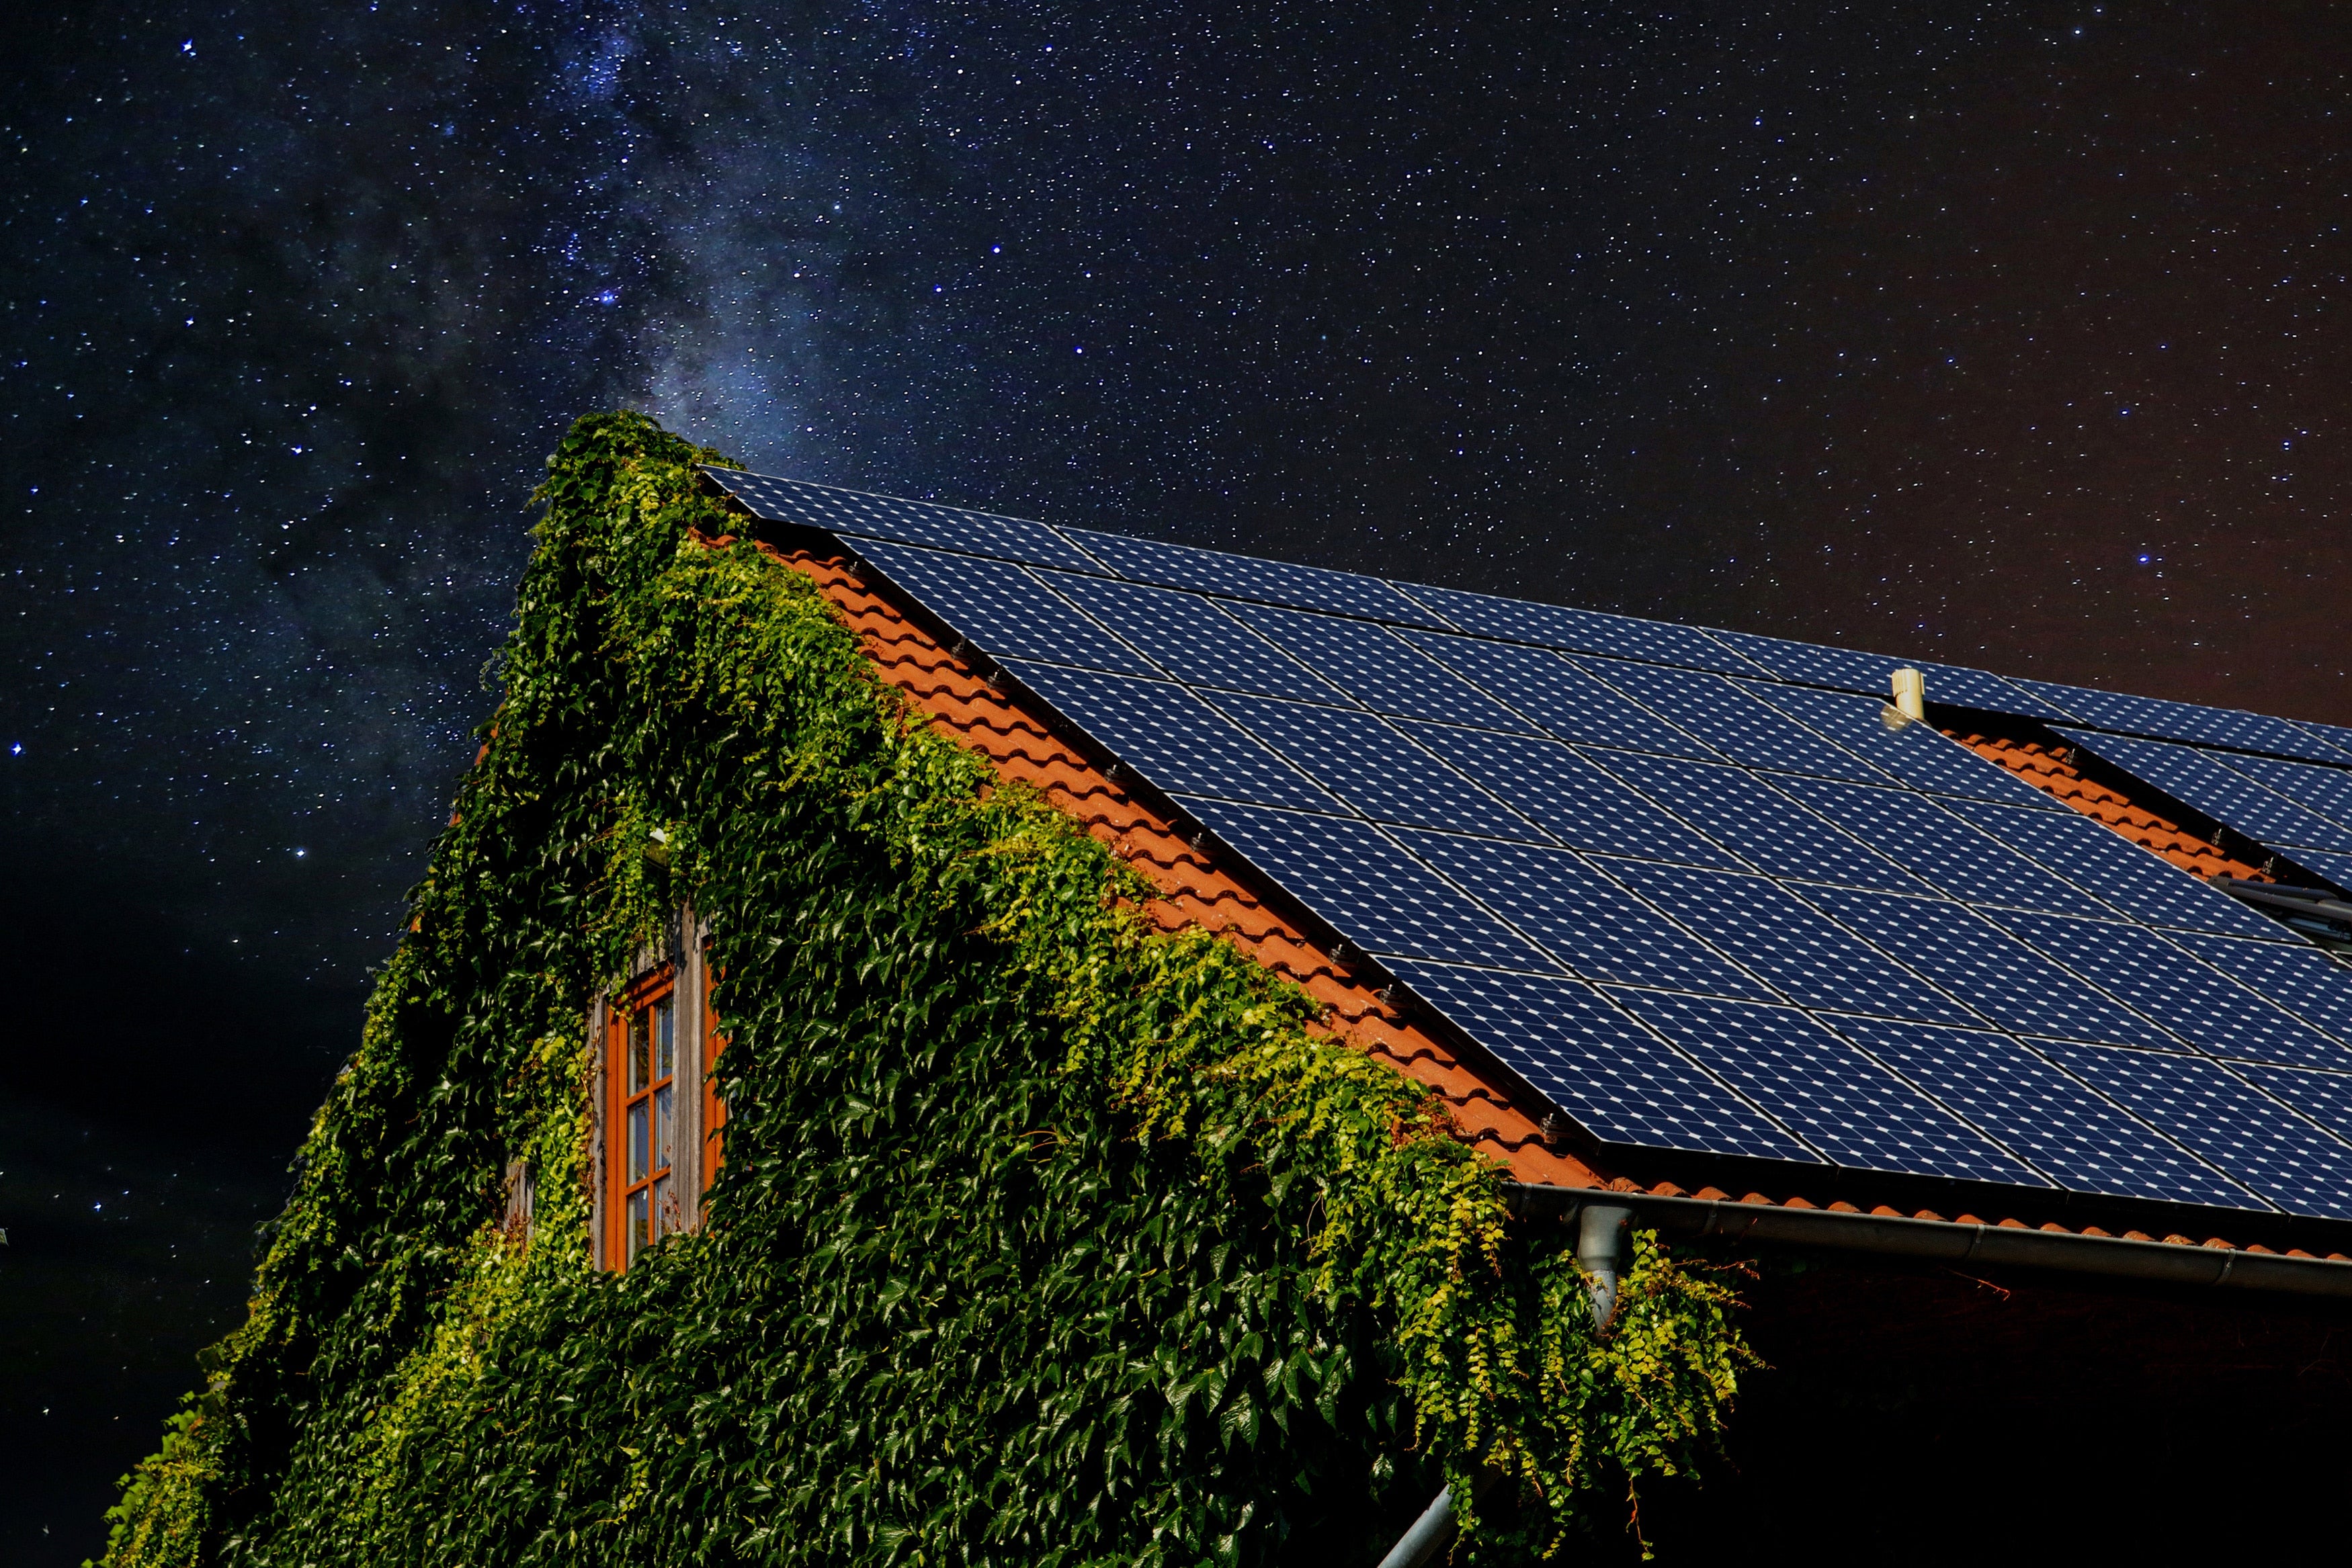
{"x":1910,"y":694}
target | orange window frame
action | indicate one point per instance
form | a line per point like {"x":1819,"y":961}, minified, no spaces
{"x":714,"y":1109}
{"x":641,"y":1199}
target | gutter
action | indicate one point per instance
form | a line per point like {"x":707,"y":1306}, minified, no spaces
{"x":1950,"y":1241}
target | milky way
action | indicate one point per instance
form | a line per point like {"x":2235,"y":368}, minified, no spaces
{"x":2008,"y":337}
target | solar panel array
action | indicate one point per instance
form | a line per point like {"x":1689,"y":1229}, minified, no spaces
{"x":1703,"y":890}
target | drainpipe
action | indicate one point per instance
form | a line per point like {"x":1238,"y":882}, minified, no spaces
{"x":1601,"y":1249}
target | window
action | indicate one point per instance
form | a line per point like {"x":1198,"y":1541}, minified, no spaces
{"x":714,"y":1109}
{"x":644,"y":1201}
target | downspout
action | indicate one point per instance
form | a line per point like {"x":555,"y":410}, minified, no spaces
{"x":1600,"y":1248}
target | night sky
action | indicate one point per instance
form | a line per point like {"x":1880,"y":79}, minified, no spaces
{"x":2016,"y":336}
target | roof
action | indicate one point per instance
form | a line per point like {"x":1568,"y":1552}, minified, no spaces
{"x":1800,"y":999}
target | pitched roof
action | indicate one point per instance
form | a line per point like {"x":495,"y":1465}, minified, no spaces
{"x":1677,"y":910}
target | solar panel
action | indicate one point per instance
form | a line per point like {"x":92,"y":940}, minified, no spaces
{"x":1810,"y":959}
{"x":1373,"y":768}
{"x":2326,"y":791}
{"x":2223,"y":793}
{"x":1764,"y":826}
{"x":1612,"y":1078}
{"x":1560,"y":697}
{"x":1581,"y":631}
{"x":2334,"y":736}
{"x":1378,"y":668}
{"x":1818,"y":1086}
{"x":1249,"y":576}
{"x":2136,"y":881}
{"x":1003,"y":609}
{"x":2325,"y":1097}
{"x":2336,"y":869}
{"x":1193,"y":639}
{"x":2303,"y":980}
{"x":2250,"y":1135}
{"x":1594,"y":926}
{"x":1354,"y":878}
{"x":1171,"y":737}
{"x":911,"y":522}
{"x":2254,"y":732}
{"x":2077,"y":1136}
{"x":1957,"y":685}
{"x":1939,"y":848}
{"x":1732,"y":721}
{"x":1919,"y":754}
{"x":1813,"y":663}
{"x":2163,"y":982}
{"x":2114,"y":710}
{"x":1570,"y":797}
{"x":1990,"y":970}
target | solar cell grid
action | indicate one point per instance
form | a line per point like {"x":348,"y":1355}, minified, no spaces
{"x":2136,"y":881}
{"x":1815,"y":665}
{"x":1193,"y":639}
{"x":1377,"y":667}
{"x":1812,"y":959}
{"x":1990,"y":970}
{"x":2336,"y":869}
{"x":2303,"y":980}
{"x":2331,"y":735}
{"x":1171,"y":737}
{"x":1917,"y":754}
{"x":2248,"y":1134}
{"x":1596,"y":928}
{"x":1613,"y":1079}
{"x":1560,"y":697}
{"x":2326,"y":791}
{"x":1373,"y":768}
{"x":2325,"y":1097}
{"x":1761,"y":825}
{"x":1941,"y":849}
{"x":1822,"y":1088}
{"x":2223,"y":793}
{"x":2075,"y":1135}
{"x":1581,"y":631}
{"x":2114,"y":710}
{"x":1570,"y":797}
{"x":1003,"y":609}
{"x":1961,"y":686}
{"x":2254,"y":732}
{"x":852,"y":512}
{"x":1367,"y":889}
{"x":1718,"y":712}
{"x":2168,"y":984}
{"x":1253,"y":578}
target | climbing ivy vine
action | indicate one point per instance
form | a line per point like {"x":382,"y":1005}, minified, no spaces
{"x":1041,"y":1238}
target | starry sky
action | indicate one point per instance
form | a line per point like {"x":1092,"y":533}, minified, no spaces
{"x":2004,"y":335}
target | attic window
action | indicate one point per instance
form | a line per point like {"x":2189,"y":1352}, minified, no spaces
{"x":644,"y":1203}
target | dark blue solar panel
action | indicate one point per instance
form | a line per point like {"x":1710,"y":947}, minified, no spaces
{"x":2075,"y":1135}
{"x":1812,"y":959}
{"x":1604,"y":1071}
{"x":2115,"y":710}
{"x":1961,"y":686}
{"x":2253,"y":732}
{"x":2161,"y":981}
{"x":1568,"y":797}
{"x":1770,"y":830}
{"x":1596,"y":927}
{"x":1735,"y":722}
{"x":2250,"y":1135}
{"x":2052,"y":695}
{"x":2332,"y":736}
{"x":1932,"y":843}
{"x":1815,"y":665}
{"x":1583,"y":630}
{"x":1829,"y":1093}
{"x":1171,"y":737}
{"x":2223,"y":793}
{"x":2326,"y":791}
{"x":1560,"y":697}
{"x":2336,"y":869}
{"x":1003,"y":608}
{"x":1249,"y":576}
{"x":1367,"y":889}
{"x":2325,"y":1097}
{"x":1919,"y":754}
{"x":1378,"y":668}
{"x":1193,"y":639}
{"x":2135,"y":880}
{"x":1373,"y":767}
{"x":910,"y":522}
{"x":2303,"y":980}
{"x":1986,"y":968}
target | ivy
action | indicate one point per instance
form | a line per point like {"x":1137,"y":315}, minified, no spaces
{"x":1041,"y":1238}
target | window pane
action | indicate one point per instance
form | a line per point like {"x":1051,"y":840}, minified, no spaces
{"x":640,"y":1225}
{"x":664,"y":1041}
{"x":664,"y":1128}
{"x":637,"y":1142}
{"x":638,"y":1052}
{"x":665,"y":1207}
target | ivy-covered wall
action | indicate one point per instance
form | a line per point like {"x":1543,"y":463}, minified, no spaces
{"x":1041,"y":1238}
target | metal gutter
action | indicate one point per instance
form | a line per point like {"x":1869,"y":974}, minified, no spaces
{"x":1949,"y":1241}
